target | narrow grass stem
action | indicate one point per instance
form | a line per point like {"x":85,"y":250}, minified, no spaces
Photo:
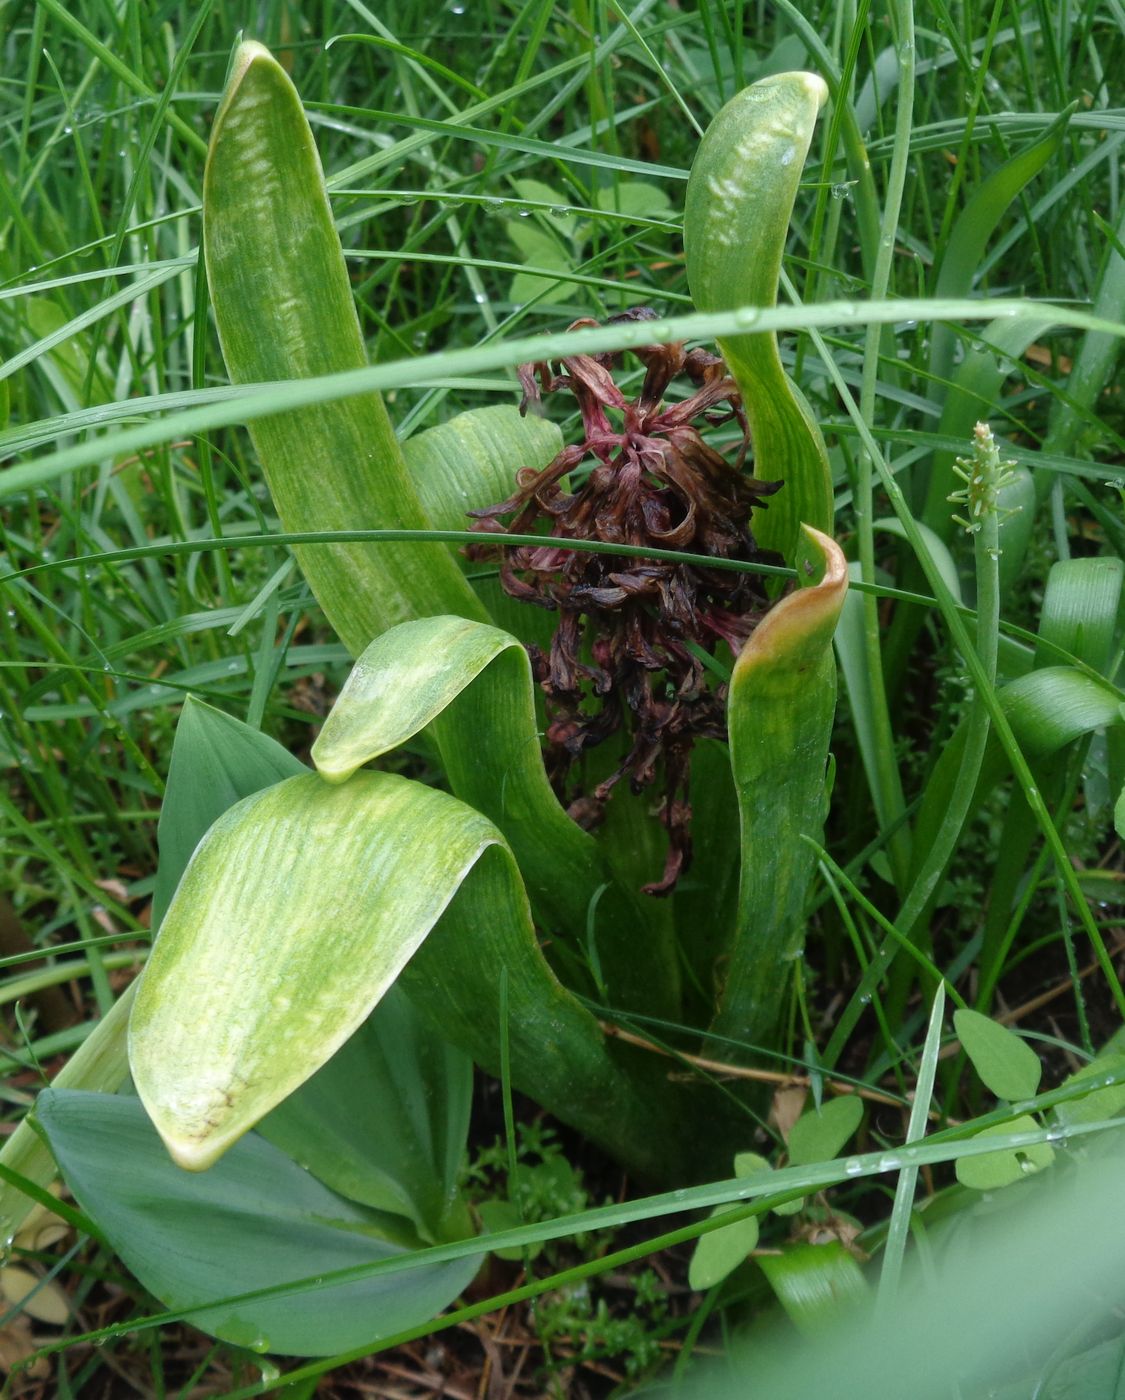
{"x":889,"y":799}
{"x":895,"y":1248}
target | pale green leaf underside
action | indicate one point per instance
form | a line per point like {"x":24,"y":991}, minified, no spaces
{"x":300,"y":907}
{"x":472,"y":684}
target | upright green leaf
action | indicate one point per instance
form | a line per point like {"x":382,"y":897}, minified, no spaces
{"x":739,"y":200}
{"x":284,"y":308}
{"x":1080,"y":608}
{"x":216,"y":761}
{"x":779,"y":715}
{"x":1097,"y":353}
{"x":471,"y":462}
{"x":976,"y":224}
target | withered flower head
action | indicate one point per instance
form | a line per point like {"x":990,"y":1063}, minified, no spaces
{"x":625,"y":654}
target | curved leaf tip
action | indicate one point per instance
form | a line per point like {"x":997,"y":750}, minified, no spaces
{"x":298,"y":910}
{"x":808,"y":615}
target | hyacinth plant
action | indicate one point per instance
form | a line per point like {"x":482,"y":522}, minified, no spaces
{"x":626,"y":683}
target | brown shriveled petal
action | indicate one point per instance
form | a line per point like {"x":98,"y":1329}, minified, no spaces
{"x":625,"y":655}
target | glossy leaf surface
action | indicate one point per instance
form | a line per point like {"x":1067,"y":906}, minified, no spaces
{"x":284,"y":308}
{"x":473,"y":684}
{"x":782,"y":699}
{"x":740,"y":196}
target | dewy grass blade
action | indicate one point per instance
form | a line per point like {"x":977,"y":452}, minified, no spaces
{"x":895,"y":1247}
{"x":252,"y":402}
{"x":888,"y":796}
{"x":763,"y":1191}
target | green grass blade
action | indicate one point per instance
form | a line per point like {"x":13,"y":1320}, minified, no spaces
{"x":895,"y":1247}
{"x":977,"y":223}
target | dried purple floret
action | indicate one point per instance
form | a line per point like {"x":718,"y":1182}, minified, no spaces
{"x":626,"y":651}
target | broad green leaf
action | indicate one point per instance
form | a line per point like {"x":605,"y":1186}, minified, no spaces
{"x":739,"y":200}
{"x":1007,"y":1065}
{"x":633,"y":197}
{"x":819,"y":1135}
{"x":992,"y":1170}
{"x":721,"y":1252}
{"x":531,"y":232}
{"x":299,"y":909}
{"x":816,"y":1284}
{"x":216,"y":760}
{"x":385,"y":1121}
{"x":284,"y":309}
{"x":496,"y":1216}
{"x":706,"y":897}
{"x":779,"y":716}
{"x":472,"y":683}
{"x":255,"y":1221}
{"x":1016,"y":527}
{"x":1080,"y":607}
{"x":1098,"y":1104}
{"x":69,"y":359}
{"x":545,"y":291}
{"x":976,"y":224}
{"x":1048,"y":709}
{"x":1096,"y":356}
{"x":939,"y":551}
{"x":471,"y":461}
{"x":540,"y":245}
{"x":1055,"y":705}
{"x":850,"y":645}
